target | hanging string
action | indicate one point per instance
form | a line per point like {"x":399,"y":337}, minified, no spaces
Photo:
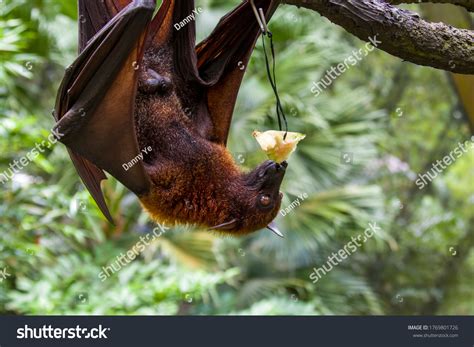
{"x":273,"y":82}
{"x":271,"y":72}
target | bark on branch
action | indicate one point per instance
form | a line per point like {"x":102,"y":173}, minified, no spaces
{"x":403,"y":33}
{"x":467,"y":4}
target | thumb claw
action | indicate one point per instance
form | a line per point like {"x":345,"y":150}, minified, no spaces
{"x":272,"y":226}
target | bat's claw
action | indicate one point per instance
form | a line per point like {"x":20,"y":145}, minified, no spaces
{"x":272,"y":226}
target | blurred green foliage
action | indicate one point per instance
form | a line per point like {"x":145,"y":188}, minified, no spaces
{"x":393,"y":119}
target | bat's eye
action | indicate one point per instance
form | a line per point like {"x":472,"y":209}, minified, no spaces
{"x":265,"y":200}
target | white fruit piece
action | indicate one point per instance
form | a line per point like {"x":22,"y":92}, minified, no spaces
{"x":275,"y":146}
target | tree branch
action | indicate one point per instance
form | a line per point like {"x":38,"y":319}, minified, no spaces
{"x":403,"y":33}
{"x":467,"y":4}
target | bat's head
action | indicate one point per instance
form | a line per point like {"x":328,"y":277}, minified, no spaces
{"x":258,"y":200}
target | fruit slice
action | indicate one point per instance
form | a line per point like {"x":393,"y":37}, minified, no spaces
{"x":275,"y":146}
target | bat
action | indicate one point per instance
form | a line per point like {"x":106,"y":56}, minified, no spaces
{"x":146,"y":104}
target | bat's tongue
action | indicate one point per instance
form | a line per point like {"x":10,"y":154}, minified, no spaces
{"x":272,"y":226}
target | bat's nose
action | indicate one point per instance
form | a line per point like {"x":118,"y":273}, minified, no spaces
{"x":282,"y":166}
{"x":274,"y":168}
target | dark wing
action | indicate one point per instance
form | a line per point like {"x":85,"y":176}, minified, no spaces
{"x":94,"y":107}
{"x":223,"y":58}
{"x":216,"y":63}
{"x":94,"y":15}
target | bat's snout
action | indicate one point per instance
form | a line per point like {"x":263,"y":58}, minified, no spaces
{"x":278,"y":168}
{"x":273,"y":174}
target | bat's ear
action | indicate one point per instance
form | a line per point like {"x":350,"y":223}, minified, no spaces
{"x":95,"y":104}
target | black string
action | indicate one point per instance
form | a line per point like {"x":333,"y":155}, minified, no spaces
{"x":279,"y":108}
